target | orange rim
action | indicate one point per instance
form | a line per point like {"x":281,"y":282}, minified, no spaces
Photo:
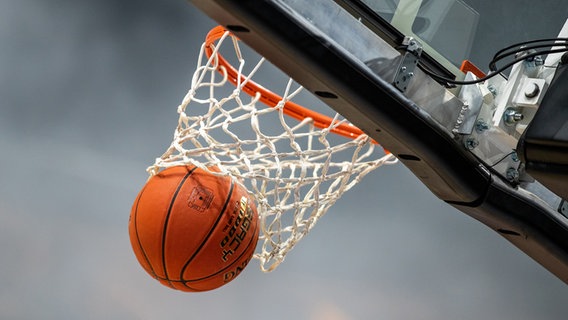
{"x":270,"y":98}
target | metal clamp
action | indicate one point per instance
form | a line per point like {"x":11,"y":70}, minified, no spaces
{"x":408,"y":62}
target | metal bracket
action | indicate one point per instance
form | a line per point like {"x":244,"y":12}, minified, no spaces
{"x":473,"y":100}
{"x":408,"y":62}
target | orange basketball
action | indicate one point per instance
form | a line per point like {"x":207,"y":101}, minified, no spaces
{"x":192,"y":230}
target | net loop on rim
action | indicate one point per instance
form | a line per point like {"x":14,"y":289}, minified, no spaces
{"x":270,"y":98}
{"x":293,"y":168}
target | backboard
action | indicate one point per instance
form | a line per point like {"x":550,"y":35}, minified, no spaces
{"x":386,"y":66}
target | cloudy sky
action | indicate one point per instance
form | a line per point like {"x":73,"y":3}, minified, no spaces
{"x":89,"y":91}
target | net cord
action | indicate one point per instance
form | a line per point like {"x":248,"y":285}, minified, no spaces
{"x":295,"y":172}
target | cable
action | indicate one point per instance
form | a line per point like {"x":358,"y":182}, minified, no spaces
{"x":522,"y":44}
{"x":499,"y":56}
{"x":504,"y":157}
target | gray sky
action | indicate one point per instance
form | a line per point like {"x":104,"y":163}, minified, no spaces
{"x":89,"y":94}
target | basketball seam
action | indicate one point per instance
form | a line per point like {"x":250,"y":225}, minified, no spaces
{"x":230,"y":194}
{"x":229,"y":266}
{"x":179,"y":281}
{"x":153,"y":272}
{"x":164,"y":232}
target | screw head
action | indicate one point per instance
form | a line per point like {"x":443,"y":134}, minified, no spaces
{"x":515,"y":157}
{"x":471,"y":143}
{"x":532,"y":90}
{"x":481,"y":126}
{"x":512,"y":175}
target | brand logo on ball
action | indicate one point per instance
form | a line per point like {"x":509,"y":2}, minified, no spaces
{"x":236,"y":228}
{"x":200,"y":198}
{"x":228,"y":276}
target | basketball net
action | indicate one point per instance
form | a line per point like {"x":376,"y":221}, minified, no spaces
{"x":293,"y":168}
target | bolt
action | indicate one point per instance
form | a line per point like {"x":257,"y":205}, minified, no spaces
{"x":403,"y":69}
{"x":411,"y":74}
{"x":481,"y":126}
{"x":512,"y":116}
{"x":515,"y":157}
{"x":471,"y":143}
{"x":532,"y":90}
{"x":512,"y":175}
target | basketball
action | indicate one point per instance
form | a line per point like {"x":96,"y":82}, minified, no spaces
{"x":193,"y":230}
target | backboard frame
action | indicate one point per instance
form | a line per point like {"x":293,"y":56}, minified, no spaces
{"x":407,"y":124}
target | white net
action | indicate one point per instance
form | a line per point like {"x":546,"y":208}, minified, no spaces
{"x":294,"y":170}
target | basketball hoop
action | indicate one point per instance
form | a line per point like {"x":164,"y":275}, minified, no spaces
{"x":293,"y":169}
